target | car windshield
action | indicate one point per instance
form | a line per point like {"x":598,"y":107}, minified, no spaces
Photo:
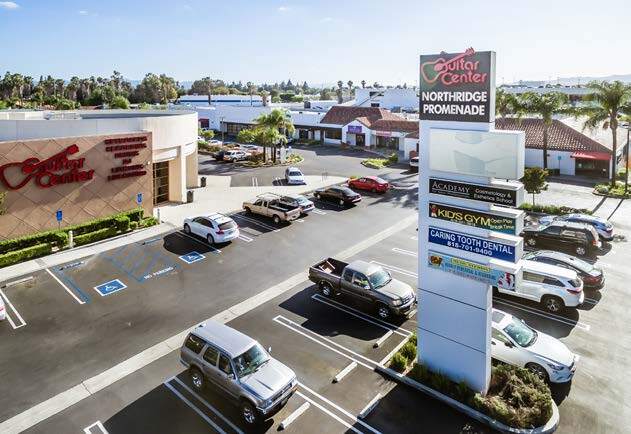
{"x":584,"y":266}
{"x":380,"y":180}
{"x":347,"y":191}
{"x":379,"y":278}
{"x":303,"y":200}
{"x":295,"y":173}
{"x":227,"y":225}
{"x":520,"y":333}
{"x":251,"y":360}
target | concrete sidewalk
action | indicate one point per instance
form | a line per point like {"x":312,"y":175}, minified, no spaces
{"x":218,"y":196}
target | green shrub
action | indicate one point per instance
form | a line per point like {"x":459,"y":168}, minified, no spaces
{"x":375,"y":163}
{"x":393,"y":158}
{"x":133,"y":226}
{"x":294,"y":159}
{"x":25,"y":254}
{"x":420,"y":373}
{"x":135,"y":215}
{"x":602,"y":188}
{"x":95,"y":236}
{"x":409,"y":351}
{"x":122,"y":223}
{"x":54,"y":238}
{"x":398,"y":362}
{"x":148,"y":221}
{"x":553,"y":209}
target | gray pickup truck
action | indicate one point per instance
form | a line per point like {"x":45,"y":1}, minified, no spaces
{"x":270,"y":205}
{"x":364,"y":281}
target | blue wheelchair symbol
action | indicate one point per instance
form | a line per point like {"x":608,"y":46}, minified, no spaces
{"x":109,"y":287}
{"x":192,"y":257}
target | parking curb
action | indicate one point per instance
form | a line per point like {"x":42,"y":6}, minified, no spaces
{"x":548,"y":428}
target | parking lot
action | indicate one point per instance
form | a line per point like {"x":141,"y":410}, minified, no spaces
{"x":70,"y":323}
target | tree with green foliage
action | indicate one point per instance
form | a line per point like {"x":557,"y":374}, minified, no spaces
{"x":545,"y":105}
{"x":506,"y":103}
{"x":534,"y":181}
{"x":207,"y":134}
{"x":119,"y":102}
{"x":604,"y":105}
{"x":273,"y":129}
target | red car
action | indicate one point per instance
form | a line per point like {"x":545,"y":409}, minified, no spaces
{"x":371,"y":183}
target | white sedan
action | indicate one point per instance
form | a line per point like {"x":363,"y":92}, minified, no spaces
{"x":214,"y":228}
{"x":515,"y":343}
{"x":293,"y":175}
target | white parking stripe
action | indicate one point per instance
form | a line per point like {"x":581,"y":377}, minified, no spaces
{"x":72,"y":294}
{"x":245,"y":238}
{"x":404,"y":252}
{"x":340,"y":409}
{"x":382,"y":339}
{"x":294,"y":415}
{"x":591,"y":301}
{"x":542,"y":314}
{"x":396,"y":269}
{"x":349,"y":310}
{"x":203,"y":243}
{"x":256,"y":222}
{"x":317,"y":211}
{"x":330,"y":413}
{"x":365,"y":365}
{"x":208,"y":406}
{"x":370,"y":406}
{"x":194,"y":408}
{"x":300,"y":220}
{"x":97,"y":424}
{"x":8,"y":303}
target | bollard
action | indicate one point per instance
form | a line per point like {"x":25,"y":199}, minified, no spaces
{"x":158,"y":211}
{"x":70,"y":239}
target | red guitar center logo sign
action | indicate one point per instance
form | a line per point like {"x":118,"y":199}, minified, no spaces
{"x":56,"y":170}
{"x":457,"y":70}
{"x":457,"y":87}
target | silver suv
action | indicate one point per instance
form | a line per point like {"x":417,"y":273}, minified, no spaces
{"x":239,"y":367}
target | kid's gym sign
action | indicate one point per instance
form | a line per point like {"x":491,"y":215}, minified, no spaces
{"x":458,"y":87}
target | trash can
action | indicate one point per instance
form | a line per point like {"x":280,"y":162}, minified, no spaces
{"x":189,"y":196}
{"x":203,"y":181}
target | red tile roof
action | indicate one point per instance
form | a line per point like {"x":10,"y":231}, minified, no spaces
{"x":561,"y":137}
{"x":342,"y":115}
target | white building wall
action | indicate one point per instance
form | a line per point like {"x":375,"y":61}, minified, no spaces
{"x":407,"y":99}
{"x":567,"y":165}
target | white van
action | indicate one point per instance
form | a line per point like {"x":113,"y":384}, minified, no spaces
{"x":554,"y":287}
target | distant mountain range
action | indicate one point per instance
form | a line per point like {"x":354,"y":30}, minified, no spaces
{"x":572,"y":81}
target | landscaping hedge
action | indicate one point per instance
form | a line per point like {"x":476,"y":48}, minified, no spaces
{"x":553,"y":209}
{"x":54,"y":238}
{"x":92,"y":237}
{"x":24,"y":254}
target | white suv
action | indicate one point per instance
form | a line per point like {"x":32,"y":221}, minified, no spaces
{"x":235,"y":156}
{"x":214,"y":228}
{"x":554,"y":287}
{"x":515,"y":343}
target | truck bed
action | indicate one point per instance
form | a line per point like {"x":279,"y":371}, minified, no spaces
{"x":330,"y":266}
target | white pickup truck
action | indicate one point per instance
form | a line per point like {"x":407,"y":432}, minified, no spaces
{"x":270,"y":205}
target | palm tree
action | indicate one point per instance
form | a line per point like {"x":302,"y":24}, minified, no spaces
{"x":545,"y":105}
{"x":273,"y":129}
{"x":363,"y":84}
{"x":506,"y":103}
{"x":350,"y":86}
{"x":608,"y":101}
{"x":340,"y":83}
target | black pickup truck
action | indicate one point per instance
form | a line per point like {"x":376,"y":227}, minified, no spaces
{"x":364,"y":281}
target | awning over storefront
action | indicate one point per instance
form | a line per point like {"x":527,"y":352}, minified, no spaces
{"x":603,"y":156}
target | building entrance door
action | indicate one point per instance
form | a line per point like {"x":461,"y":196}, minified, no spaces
{"x":360,"y":139}
{"x":160,"y":182}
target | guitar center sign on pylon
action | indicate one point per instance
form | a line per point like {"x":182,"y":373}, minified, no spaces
{"x":457,"y":87}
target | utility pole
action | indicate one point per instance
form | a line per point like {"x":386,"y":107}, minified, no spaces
{"x":627,"y":126}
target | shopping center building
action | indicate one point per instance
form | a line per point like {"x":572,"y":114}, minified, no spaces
{"x":91,"y":164}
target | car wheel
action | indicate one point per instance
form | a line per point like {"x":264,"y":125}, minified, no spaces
{"x":210,"y":239}
{"x":234,"y":160}
{"x":374,"y":190}
{"x":341,"y":202}
{"x":383,"y":311}
{"x":248,"y":211}
{"x":531,"y":242}
{"x":326,"y":289}
{"x":248,"y":413}
{"x":539,"y":371}
{"x":197,"y":378}
{"x":580,"y":250}
{"x":276,"y":219}
{"x":553,"y":304}
{"x":187,"y":229}
{"x":317,"y":196}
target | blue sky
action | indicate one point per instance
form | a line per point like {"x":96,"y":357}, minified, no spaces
{"x":314,"y":40}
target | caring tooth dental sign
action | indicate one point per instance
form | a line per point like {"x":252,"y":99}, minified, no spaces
{"x":482,"y":193}
{"x":458,"y":86}
{"x":489,"y":154}
{"x":469,"y":243}
{"x":471,"y":270}
{"x":478,"y":219}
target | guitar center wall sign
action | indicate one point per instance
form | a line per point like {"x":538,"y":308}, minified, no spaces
{"x":458,"y":86}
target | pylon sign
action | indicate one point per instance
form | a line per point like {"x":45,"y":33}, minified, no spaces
{"x":468,"y":228}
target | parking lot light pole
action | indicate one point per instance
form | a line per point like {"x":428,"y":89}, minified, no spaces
{"x":626,"y":126}
{"x":221,"y":127}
